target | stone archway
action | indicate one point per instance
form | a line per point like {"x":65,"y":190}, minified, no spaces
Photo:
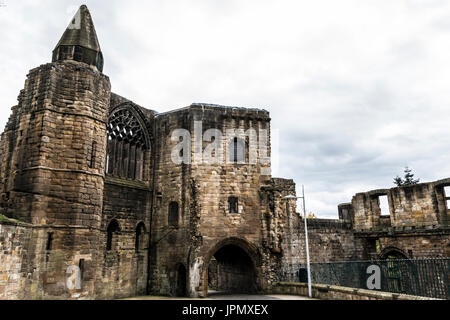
{"x":392,"y":253}
{"x":394,"y":269}
{"x":231,"y":267}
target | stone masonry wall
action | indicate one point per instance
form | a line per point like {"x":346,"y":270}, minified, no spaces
{"x":52,"y":175}
{"x":420,"y":205}
{"x":122,"y":272}
{"x":14,"y":242}
{"x":170,"y":242}
{"x":215,"y":183}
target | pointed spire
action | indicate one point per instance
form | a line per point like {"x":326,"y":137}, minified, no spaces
{"x":79,"y":42}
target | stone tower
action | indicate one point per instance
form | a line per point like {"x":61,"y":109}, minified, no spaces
{"x":53,"y":157}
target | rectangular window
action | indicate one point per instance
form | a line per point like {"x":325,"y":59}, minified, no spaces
{"x":345,"y":214}
{"x":384,"y":205}
{"x":447,"y":196}
{"x":233,"y":205}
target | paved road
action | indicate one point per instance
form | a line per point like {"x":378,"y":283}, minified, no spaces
{"x":222,"y":296}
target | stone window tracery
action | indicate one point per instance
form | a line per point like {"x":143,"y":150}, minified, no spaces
{"x":126,"y":145}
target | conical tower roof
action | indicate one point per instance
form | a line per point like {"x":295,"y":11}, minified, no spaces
{"x":81,"y":31}
{"x":79,"y":42}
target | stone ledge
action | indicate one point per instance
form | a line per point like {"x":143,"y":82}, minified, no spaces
{"x":327,"y":292}
{"x":9,"y":221}
{"x":135,"y":184}
{"x":436,"y":229}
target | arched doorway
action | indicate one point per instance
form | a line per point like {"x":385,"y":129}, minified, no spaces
{"x":395,"y":269}
{"x":231,"y":269}
{"x":181,"y":281}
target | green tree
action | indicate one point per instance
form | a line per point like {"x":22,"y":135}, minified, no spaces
{"x":408,"y":178}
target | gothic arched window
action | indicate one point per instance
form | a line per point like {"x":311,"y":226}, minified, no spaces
{"x":126,"y":145}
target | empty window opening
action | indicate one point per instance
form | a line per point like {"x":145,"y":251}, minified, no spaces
{"x":447,"y":196}
{"x":237,"y":151}
{"x":49,"y":241}
{"x":173,"y":214}
{"x":345,"y":214}
{"x":112,"y":233}
{"x":81,"y":266}
{"x":233,"y":205}
{"x":374,"y":245}
{"x":384,"y":205}
{"x":107,"y":163}
{"x":93,"y":154}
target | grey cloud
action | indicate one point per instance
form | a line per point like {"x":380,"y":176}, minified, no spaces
{"x":356,"y":91}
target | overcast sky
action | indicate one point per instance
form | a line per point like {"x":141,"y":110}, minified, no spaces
{"x":356,"y":89}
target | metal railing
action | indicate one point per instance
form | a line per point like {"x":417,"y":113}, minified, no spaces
{"x":420,"y":277}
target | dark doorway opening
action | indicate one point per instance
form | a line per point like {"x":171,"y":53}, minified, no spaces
{"x":181,"y":281}
{"x":393,"y":270}
{"x":231,"y":270}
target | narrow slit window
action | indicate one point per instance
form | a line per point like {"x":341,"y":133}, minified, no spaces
{"x":49,"y":241}
{"x":81,"y":266}
{"x":93,"y":154}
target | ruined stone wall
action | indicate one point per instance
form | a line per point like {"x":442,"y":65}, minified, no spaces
{"x":202,"y":191}
{"x":170,"y":242}
{"x":61,"y":112}
{"x":329,"y":240}
{"x":52,"y":176}
{"x":14,"y":243}
{"x":122,"y":271}
{"x":216,"y":183}
{"x":415,"y":245}
{"x":412,"y":243}
{"x":420,"y":205}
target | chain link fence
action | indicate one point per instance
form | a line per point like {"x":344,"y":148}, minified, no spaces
{"x":420,"y":277}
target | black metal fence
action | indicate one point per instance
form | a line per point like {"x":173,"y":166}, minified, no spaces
{"x":420,"y":277}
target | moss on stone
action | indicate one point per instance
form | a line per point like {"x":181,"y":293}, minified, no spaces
{"x":6,"y":220}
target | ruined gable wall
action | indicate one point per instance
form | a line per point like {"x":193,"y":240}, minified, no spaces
{"x":416,"y":227}
{"x":421,"y":205}
{"x":122,"y":271}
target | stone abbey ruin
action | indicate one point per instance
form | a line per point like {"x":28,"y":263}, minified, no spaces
{"x":94,"y":207}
